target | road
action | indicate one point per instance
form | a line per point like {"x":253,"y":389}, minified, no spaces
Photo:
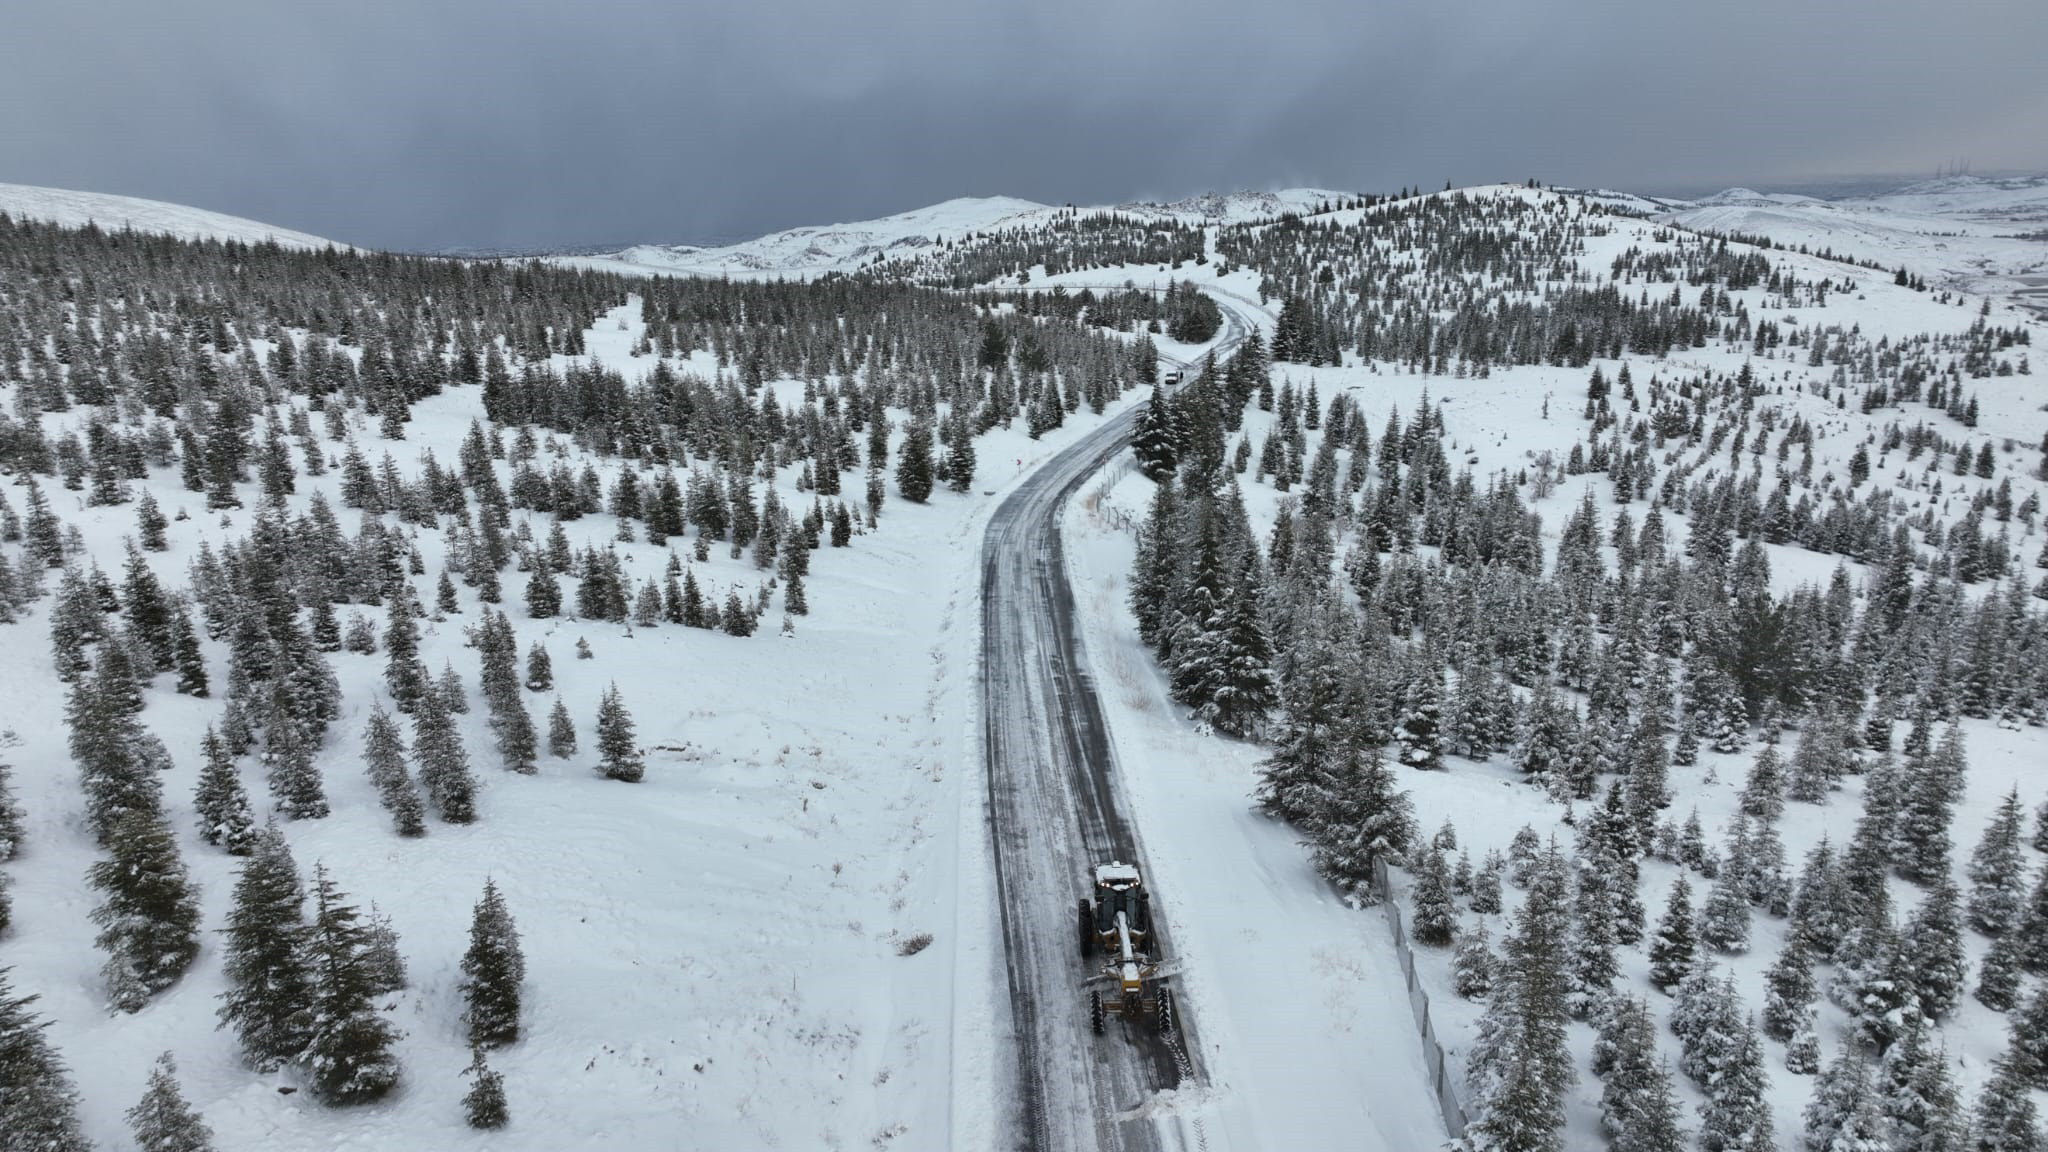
{"x":1055,"y":812}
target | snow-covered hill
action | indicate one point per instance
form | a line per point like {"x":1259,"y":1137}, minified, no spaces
{"x":815,"y":251}
{"x":1973,"y":233}
{"x":113,"y":213}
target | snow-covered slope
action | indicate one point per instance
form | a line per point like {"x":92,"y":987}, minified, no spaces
{"x":76,"y":209}
{"x":815,"y":251}
{"x":1961,"y":231}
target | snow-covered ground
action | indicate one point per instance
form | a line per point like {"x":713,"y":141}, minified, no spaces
{"x":712,"y":955}
{"x":815,"y":251}
{"x":113,"y":213}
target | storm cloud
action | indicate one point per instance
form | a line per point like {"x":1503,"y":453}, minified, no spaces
{"x":521,"y":123}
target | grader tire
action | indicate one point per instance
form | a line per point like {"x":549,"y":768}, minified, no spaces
{"x":1165,"y":1021}
{"x":1144,"y":924}
{"x":1089,"y":941}
{"x":1095,"y":1013}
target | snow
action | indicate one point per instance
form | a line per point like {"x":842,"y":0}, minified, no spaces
{"x":845,"y":248}
{"x":713,"y":955}
{"x":112,"y":213}
{"x":1964,"y":232}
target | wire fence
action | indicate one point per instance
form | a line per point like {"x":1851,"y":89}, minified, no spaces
{"x":1418,"y":1001}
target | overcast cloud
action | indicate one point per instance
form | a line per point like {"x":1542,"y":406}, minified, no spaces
{"x":436,"y":123}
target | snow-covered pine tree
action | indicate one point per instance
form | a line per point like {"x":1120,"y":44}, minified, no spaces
{"x":1922,"y":1110}
{"x":1998,"y":882}
{"x":540,"y":671}
{"x":38,"y":1105}
{"x":1844,"y":1110}
{"x":1998,"y":978}
{"x":618,"y":754}
{"x":269,"y":985}
{"x":1519,"y":1067}
{"x":1434,"y":917}
{"x":384,"y":760}
{"x":1638,"y":1112}
{"x":11,"y":816}
{"x":295,"y":781}
{"x":1592,"y":964}
{"x":443,"y":763}
{"x":114,"y":754}
{"x":405,"y":677}
{"x":149,"y":914}
{"x":1238,"y":691}
{"x":1359,"y":816}
{"x":1817,"y":917}
{"x":1736,"y":1115}
{"x":493,"y":970}
{"x":2004,"y":1119}
{"x":1763,"y":796}
{"x":483,"y":1106}
{"x":219,"y":800}
{"x":1788,"y":992}
{"x":162,"y":1121}
{"x":561,"y":732}
{"x":380,"y":952}
{"x":1724,"y":918}
{"x":1932,"y":947}
{"x":348,"y":1047}
{"x":1473,"y":965}
{"x":1924,"y":821}
{"x":1673,"y":946}
{"x":1419,"y":728}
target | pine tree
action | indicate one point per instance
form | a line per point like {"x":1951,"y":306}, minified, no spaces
{"x":1998,"y":979}
{"x":561,"y":732}
{"x":1520,"y":1067}
{"x":1921,"y":1108}
{"x":1763,"y":797}
{"x":1638,"y":1112}
{"x":540,"y":671}
{"x":1435,"y":914}
{"x":380,"y":953}
{"x":483,"y":1106}
{"x":618,"y":756}
{"x":1724,"y":918}
{"x":1843,"y":1106}
{"x":1924,"y":822}
{"x":2031,"y":944}
{"x":1998,"y":885}
{"x":149,"y":914}
{"x":384,"y":759}
{"x":1736,"y":1116}
{"x":1156,"y":441}
{"x":1474,"y":965}
{"x":1356,"y":817}
{"x":543,"y":594}
{"x":2005,"y":1119}
{"x":1238,"y":691}
{"x":115,"y":756}
{"x":38,"y":1105}
{"x":914,"y":463}
{"x":295,"y":781}
{"x":405,"y":677}
{"x":11,"y":816}
{"x":186,"y":656}
{"x":1593,"y":964}
{"x":444,"y":764}
{"x":348,"y":1049}
{"x":269,"y":985}
{"x":1933,"y":950}
{"x":1672,"y":948}
{"x":1419,"y":728}
{"x":162,"y":1121}
{"x":1789,"y":992}
{"x":222,"y":806}
{"x":492,"y":971}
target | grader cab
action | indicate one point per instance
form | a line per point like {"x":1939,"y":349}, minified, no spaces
{"x":1116,"y":926}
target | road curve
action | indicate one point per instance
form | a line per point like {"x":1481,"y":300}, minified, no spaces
{"x":1054,"y":812}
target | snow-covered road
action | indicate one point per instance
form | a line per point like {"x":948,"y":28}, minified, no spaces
{"x":1055,"y":811}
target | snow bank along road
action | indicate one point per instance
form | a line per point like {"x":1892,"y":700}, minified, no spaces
{"x":1054,"y":812}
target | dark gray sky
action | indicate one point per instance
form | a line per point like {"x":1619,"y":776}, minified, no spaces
{"x":436,"y":123}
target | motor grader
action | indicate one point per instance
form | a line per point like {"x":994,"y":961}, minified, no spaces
{"x":1116,"y":926}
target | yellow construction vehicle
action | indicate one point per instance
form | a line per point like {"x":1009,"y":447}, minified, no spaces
{"x":1117,"y":925}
